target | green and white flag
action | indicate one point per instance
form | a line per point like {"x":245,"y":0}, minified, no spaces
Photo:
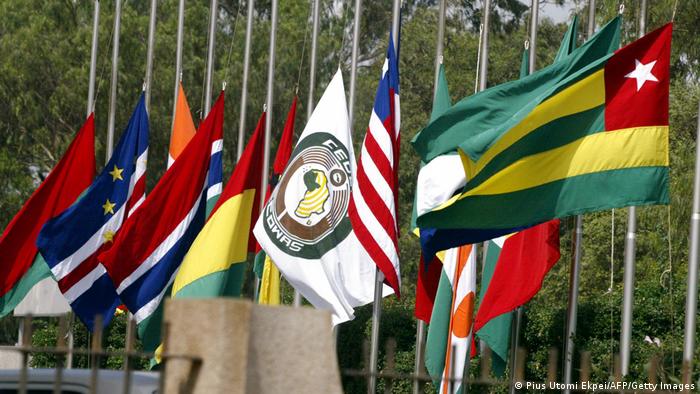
{"x":305,"y":228}
{"x":450,"y":329}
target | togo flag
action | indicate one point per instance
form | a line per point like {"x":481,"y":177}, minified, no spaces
{"x":305,"y":228}
{"x":450,"y":329}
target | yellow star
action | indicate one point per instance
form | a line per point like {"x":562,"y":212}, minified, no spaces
{"x":108,"y":236}
{"x":109,"y":207}
{"x":116,"y":173}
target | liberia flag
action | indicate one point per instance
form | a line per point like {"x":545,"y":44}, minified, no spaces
{"x":147,"y":253}
{"x":372,"y":207}
{"x":71,"y":241}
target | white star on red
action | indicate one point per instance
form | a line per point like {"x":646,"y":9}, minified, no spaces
{"x":642,"y":73}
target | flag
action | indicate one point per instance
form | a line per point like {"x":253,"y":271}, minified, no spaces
{"x":269,"y":292}
{"x":71,"y":241}
{"x":183,"y":127}
{"x":429,"y":274}
{"x":525,"y":259}
{"x":148,"y":251}
{"x":614,"y":152}
{"x":568,"y":45}
{"x":375,"y":185}
{"x":305,"y":228}
{"x":21,"y":267}
{"x":450,"y":330}
{"x":225,"y":240}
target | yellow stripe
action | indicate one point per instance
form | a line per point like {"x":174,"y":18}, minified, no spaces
{"x":222,"y":242}
{"x":583,"y":95}
{"x":604,"y":151}
{"x":270,"y":284}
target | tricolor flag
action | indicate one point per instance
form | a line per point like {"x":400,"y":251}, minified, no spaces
{"x":614,"y":152}
{"x":375,"y":187}
{"x":148,"y":251}
{"x":213,"y":266}
{"x":183,"y":127}
{"x":71,"y":242}
{"x":269,"y":292}
{"x":305,"y":228}
{"x":21,"y":267}
{"x":450,"y":330}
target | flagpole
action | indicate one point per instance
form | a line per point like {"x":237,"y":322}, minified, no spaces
{"x":93,"y":58}
{"x":150,"y":50}
{"x":420,"y":327}
{"x":691,"y":306}
{"x":214,"y":7}
{"x":575,"y":269}
{"x":630,"y":254}
{"x":115,"y":74}
{"x":244,"y":85}
{"x":353,"y":63}
{"x":178,"y":54}
{"x":312,"y":86}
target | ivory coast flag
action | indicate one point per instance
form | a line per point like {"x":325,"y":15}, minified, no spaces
{"x":450,"y":330}
{"x":212,"y":266}
{"x":596,"y":138}
{"x":183,"y":126}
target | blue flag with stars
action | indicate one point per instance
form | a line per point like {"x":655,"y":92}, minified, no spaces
{"x":71,"y":242}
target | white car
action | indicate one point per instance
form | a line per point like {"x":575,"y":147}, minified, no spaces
{"x":77,"y":381}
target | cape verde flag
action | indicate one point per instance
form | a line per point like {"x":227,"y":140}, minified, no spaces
{"x":147,"y":253}
{"x":71,"y":242}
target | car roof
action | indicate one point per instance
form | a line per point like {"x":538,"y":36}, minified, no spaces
{"x":109,"y":381}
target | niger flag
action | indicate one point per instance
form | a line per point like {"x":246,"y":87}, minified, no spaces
{"x":594,"y":140}
{"x":211,"y":266}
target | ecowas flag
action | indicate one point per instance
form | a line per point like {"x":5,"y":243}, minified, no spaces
{"x":305,"y":228}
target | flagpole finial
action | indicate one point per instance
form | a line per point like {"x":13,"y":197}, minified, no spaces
{"x":622,"y":8}
{"x":526,"y":44}
{"x":143,"y":87}
{"x":223,"y":86}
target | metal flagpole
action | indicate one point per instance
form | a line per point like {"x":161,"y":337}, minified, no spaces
{"x":484,"y":56}
{"x":420,"y":328}
{"x":575,"y":269}
{"x":312,"y":86}
{"x":630,"y":254}
{"x":178,"y":54}
{"x":691,"y":306}
{"x":353,"y":64}
{"x":150,"y":50}
{"x":93,"y":58}
{"x":244,"y":85}
{"x":115,"y":74}
{"x":210,"y":54}
{"x":379,"y":277}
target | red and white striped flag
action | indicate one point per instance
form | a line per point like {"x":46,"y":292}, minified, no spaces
{"x":372,"y":207}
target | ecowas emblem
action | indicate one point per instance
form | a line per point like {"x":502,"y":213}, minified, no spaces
{"x":307,"y":215}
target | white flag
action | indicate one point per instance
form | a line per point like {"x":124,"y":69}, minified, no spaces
{"x":305,"y":228}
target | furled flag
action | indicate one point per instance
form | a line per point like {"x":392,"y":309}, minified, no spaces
{"x":614,"y":152}
{"x":71,"y":242}
{"x":225,"y":241}
{"x":450,"y":330}
{"x":434,"y":193}
{"x":21,"y":267}
{"x":183,"y":127}
{"x":305,"y":228}
{"x":265,"y":269}
{"x":148,"y":251}
{"x":375,"y":187}
{"x":446,"y":168}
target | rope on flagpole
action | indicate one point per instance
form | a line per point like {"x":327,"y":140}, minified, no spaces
{"x":303,"y":48}
{"x":233,"y":39}
{"x":675,"y":8}
{"x":669,"y":271}
{"x":342,"y":41}
{"x":104,"y":65}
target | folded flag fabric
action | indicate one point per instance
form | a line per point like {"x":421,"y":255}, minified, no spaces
{"x":373,"y":201}
{"x":305,"y":228}
{"x":183,"y":127}
{"x":524,"y":261}
{"x":148,"y":251}
{"x":71,"y":242}
{"x":21,"y":267}
{"x":225,"y":239}
{"x":614,"y":152}
{"x":269,"y":292}
{"x":450,"y":330}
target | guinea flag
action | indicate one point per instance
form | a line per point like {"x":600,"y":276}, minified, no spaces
{"x":21,"y":267}
{"x":595,"y":139}
{"x":225,"y":240}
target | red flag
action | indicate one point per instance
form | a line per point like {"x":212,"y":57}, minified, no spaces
{"x":71,"y":176}
{"x":428,"y":279}
{"x":525,"y":259}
